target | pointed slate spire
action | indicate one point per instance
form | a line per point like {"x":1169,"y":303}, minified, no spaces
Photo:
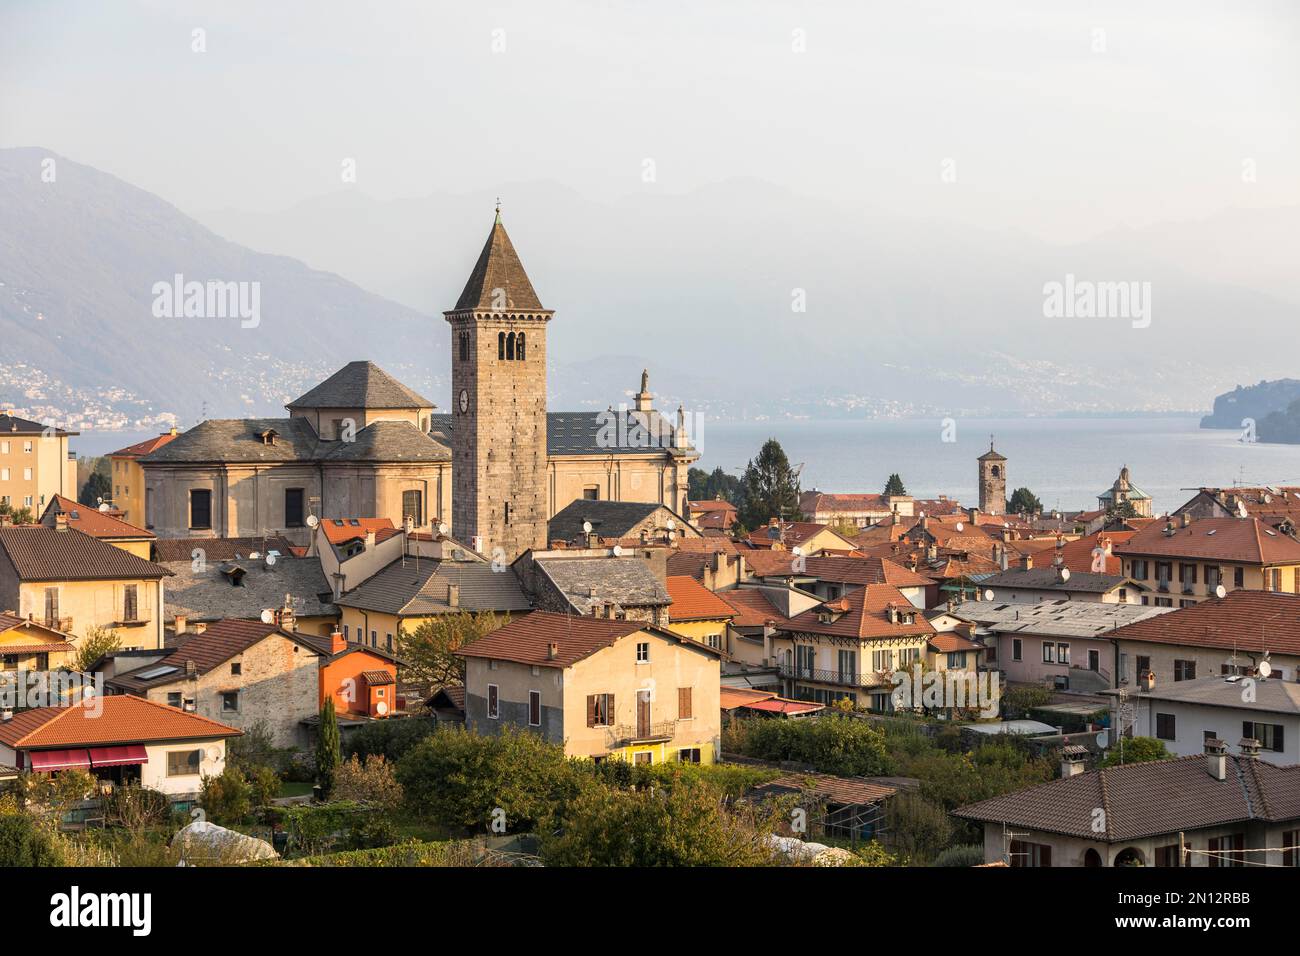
{"x":498,"y":268}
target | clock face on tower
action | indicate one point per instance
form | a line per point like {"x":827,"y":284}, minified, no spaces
{"x":464,"y":401}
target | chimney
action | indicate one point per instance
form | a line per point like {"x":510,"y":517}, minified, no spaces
{"x":1072,"y":760}
{"x":1147,"y":680}
{"x":1186,"y":519}
{"x":1249,"y":747}
{"x":593,"y":539}
{"x":61,"y":522}
{"x":180,"y":624}
{"x":190,"y":669}
{"x":552,"y":651}
{"x":288,"y":620}
{"x":1004,"y":562}
{"x":453,"y":595}
{"x":337,"y":642}
{"x":6,"y":715}
{"x":370,"y":540}
{"x":6,"y":520}
{"x":1216,"y":758}
{"x":1027,"y":562}
{"x":591,"y":592}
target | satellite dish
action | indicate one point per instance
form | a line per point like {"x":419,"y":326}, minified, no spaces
{"x":1065,"y":574}
{"x":1103,"y":739}
{"x":312,"y":521}
{"x":381,"y":708}
{"x":270,"y":557}
{"x":1220,"y":591}
{"x":671,"y":524}
{"x":586,"y":527}
{"x":618,"y":551}
{"x":1264,"y":668}
{"x":253,"y":555}
{"x":959,"y":525}
{"x":988,"y":595}
{"x":268,"y":616}
{"x":798,"y":551}
{"x":443,"y":528}
{"x":103,"y":506}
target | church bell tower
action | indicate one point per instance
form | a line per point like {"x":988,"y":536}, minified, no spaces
{"x":498,"y":382}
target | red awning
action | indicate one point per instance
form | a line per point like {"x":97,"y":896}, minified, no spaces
{"x":47,"y":761}
{"x":118,"y":756}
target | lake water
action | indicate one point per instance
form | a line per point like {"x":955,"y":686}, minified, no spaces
{"x":1065,"y":462}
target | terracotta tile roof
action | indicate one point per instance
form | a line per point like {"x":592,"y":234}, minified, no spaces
{"x":752,"y":608}
{"x":10,"y":621}
{"x":783,"y":705}
{"x":1245,"y":540}
{"x":793,"y":534}
{"x":733,"y":697}
{"x":341,"y":530}
{"x":378,"y":678}
{"x":38,"y":553}
{"x":863,"y":613}
{"x":1149,"y":799}
{"x":692,"y":601}
{"x":1077,"y":555}
{"x":526,"y":639}
{"x":218,"y":643}
{"x":123,"y":719}
{"x":816,"y":502}
{"x":143,"y":447}
{"x":91,"y":521}
{"x":950,"y":642}
{"x":714,"y":504}
{"x":1240,"y":619}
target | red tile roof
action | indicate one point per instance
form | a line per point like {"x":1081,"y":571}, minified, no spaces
{"x":340,"y":530}
{"x":118,"y":719}
{"x":864,"y":613}
{"x":218,"y":643}
{"x":527,"y":638}
{"x":90,"y":520}
{"x":733,"y":697}
{"x":1250,"y":621}
{"x":1245,"y":540}
{"x":752,"y":608}
{"x":950,"y":642}
{"x":692,"y":601}
{"x":782,"y":705}
{"x":142,"y":448}
{"x":1077,"y":555}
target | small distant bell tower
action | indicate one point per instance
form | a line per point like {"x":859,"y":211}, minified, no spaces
{"x":993,"y":481}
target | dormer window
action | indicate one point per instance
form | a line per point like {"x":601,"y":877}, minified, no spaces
{"x":269,"y":436}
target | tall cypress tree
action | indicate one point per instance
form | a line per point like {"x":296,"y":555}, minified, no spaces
{"x":327,"y":747}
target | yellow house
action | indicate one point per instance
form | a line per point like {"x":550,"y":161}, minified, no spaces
{"x":71,"y":582}
{"x":603,"y":688}
{"x":35,"y":464}
{"x":698,"y":613}
{"x":26,"y":645}
{"x":128,"y":477}
{"x":102,"y":524}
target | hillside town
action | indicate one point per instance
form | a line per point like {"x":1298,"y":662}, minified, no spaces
{"x":378,"y":631}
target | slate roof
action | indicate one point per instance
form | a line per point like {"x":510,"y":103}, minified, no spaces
{"x":115,"y":719}
{"x":526,"y":639}
{"x":498,"y":267}
{"x":1149,"y":799}
{"x":421,"y":588}
{"x":1047,"y":579}
{"x":220,"y":642}
{"x":628,"y":582}
{"x":208,"y":595}
{"x":360,"y":385}
{"x":38,"y":553}
{"x":609,"y":519}
{"x":239,"y":440}
{"x":580,"y":433}
{"x":167,"y":550}
{"x":12,"y":424}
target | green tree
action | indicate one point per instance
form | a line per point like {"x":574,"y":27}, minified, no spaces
{"x":98,"y":485}
{"x":832,"y":744}
{"x":704,"y":485}
{"x":328,"y":755}
{"x":24,"y":842}
{"x":1023,"y":501}
{"x":429,"y":652}
{"x":94,"y":644}
{"x":227,"y":797}
{"x":771,"y":487}
{"x":919,"y":828}
{"x":17,"y":515}
{"x":894,"y":486}
{"x":1134,"y":750}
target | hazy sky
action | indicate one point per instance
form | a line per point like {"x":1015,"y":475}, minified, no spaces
{"x":1063,"y":120}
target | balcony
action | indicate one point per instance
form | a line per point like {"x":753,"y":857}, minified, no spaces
{"x":626,"y":735}
{"x":839,"y":678}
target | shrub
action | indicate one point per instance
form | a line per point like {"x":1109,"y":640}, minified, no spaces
{"x":1135,"y":750}
{"x":137,"y":808}
{"x":916,"y":827}
{"x":315,"y":828}
{"x":835,"y":744}
{"x":23,"y":842}
{"x":263,"y":784}
{"x":1018,"y":701}
{"x":965,"y":854}
{"x":226,"y":798}
{"x":370,"y":831}
{"x":392,"y":739}
{"x":373,"y":783}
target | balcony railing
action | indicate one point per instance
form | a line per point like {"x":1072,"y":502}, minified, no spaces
{"x":624,"y":735}
{"x":842,"y":678}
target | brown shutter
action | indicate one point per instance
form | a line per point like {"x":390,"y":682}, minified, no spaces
{"x":684,"y":703}
{"x":609,"y":714}
{"x":1047,"y":855}
{"x":591,"y":710}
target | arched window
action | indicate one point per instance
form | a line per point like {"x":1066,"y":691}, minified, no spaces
{"x":464,"y":346}
{"x":997,"y":472}
{"x":519,"y":347}
{"x":501,"y":346}
{"x":510,"y":347}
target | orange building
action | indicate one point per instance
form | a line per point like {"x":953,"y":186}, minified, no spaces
{"x":362,"y":680}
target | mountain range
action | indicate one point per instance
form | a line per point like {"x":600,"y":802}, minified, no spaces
{"x":900,"y":316}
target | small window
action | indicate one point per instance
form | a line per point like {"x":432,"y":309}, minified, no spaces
{"x":534,"y":708}
{"x":644,"y":757}
{"x":236,"y":669}
{"x":413,"y":507}
{"x":130,"y":606}
{"x":293,"y":510}
{"x":493,"y":702}
{"x":230,"y":701}
{"x":1166,"y":727}
{"x":1049,"y":652}
{"x":174,"y":699}
{"x":643,"y":652}
{"x":689,"y":755}
{"x":1184,"y":670}
{"x":1017,"y":649}
{"x":183,"y":763}
{"x":201,"y":508}
{"x":600,"y":710}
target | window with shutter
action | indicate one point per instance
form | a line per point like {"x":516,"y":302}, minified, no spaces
{"x":684,"y":703}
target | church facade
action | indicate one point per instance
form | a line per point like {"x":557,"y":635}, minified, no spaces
{"x":363,"y":445}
